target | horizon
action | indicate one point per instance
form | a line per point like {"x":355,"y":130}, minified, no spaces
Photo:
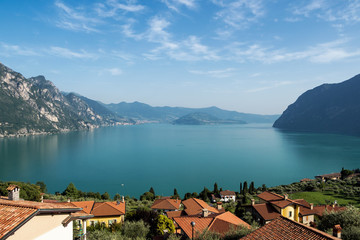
{"x":240,"y":55}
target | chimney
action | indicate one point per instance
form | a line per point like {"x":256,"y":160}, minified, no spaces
{"x":219,"y":205}
{"x":286,"y":196}
{"x":205,"y":213}
{"x":68,"y":200}
{"x":122,"y":199}
{"x":252,"y":202}
{"x":337,"y":231}
{"x":42,"y":197}
{"x":311,"y":206}
{"x":14,"y":193}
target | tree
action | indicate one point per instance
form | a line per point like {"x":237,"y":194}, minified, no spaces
{"x":241,"y":188}
{"x":204,"y":195}
{"x":345,"y":173}
{"x":176,"y":195}
{"x":252,"y":188}
{"x":135,"y":229}
{"x":147,"y":196}
{"x":117,"y":197}
{"x":42,"y":186}
{"x":152,"y":191}
{"x":164,"y":224}
{"x":245,"y":189}
{"x":105,"y":196}
{"x":71,"y":191}
{"x":263,"y":188}
{"x":187,"y":196}
{"x":216,"y":190}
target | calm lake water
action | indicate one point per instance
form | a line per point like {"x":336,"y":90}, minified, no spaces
{"x":131,"y":159}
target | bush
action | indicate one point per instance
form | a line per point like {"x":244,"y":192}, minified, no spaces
{"x":135,"y":229}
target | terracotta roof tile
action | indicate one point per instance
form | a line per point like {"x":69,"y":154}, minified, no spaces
{"x":173,"y":214}
{"x":166,"y":204}
{"x":282,"y":203}
{"x":284,"y":229}
{"x":12,"y":216}
{"x":270,"y":196}
{"x":220,"y":223}
{"x":195,"y":206}
{"x":12,"y":187}
{"x":319,"y":210}
{"x":36,"y":205}
{"x":227,"y":192}
{"x":108,"y":209}
{"x":266,"y":211}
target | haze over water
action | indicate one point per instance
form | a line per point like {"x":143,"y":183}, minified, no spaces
{"x":131,"y":159}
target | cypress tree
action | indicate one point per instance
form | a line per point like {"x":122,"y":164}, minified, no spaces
{"x":152,"y":191}
{"x":241,"y":188}
{"x":176,"y":195}
{"x":252,"y":188}
{"x":216,"y":190}
{"x":245,"y":189}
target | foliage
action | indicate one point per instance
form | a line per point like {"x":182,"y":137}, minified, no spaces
{"x":132,"y":229}
{"x":42,"y":186}
{"x":28,"y":191}
{"x":204,"y":195}
{"x":152,"y":190}
{"x":164,"y":223}
{"x":147,"y":196}
{"x":245,"y":188}
{"x":176,"y":195}
{"x":350,"y":217}
{"x":207,"y":235}
{"x":345,"y":173}
{"x":106,"y":235}
{"x":216,"y":190}
{"x":237,"y":233}
{"x":351,"y":233}
{"x":173,"y":236}
{"x":117,"y":197}
{"x":105,"y":196}
{"x":71,"y":191}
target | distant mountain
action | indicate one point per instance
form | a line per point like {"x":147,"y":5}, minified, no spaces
{"x":143,"y":113}
{"x":35,"y":106}
{"x":329,"y":108}
{"x":200,"y":118}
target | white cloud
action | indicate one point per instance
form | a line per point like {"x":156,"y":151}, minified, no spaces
{"x":74,"y":20}
{"x":239,"y":14}
{"x":111,"y":7}
{"x":271,"y":86}
{"x":176,"y":4}
{"x":222,"y":73}
{"x":114,"y":71}
{"x":8,"y":50}
{"x":67,"y":53}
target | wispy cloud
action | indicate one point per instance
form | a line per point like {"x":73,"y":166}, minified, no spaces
{"x":320,"y":53}
{"x":111,"y":7}
{"x":67,"y":53}
{"x":239,"y":14}
{"x":114,"y":71}
{"x":270,"y":86}
{"x":177,"y":4}
{"x":75,"y":20}
{"x":222,"y":73}
{"x":9,"y":50}
{"x":347,"y":11}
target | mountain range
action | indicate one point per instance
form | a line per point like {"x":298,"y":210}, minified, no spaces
{"x":30,"y":106}
{"x":329,"y":108}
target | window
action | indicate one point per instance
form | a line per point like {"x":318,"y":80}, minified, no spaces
{"x":290,"y":214}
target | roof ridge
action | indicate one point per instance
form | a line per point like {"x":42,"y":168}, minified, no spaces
{"x":110,"y":204}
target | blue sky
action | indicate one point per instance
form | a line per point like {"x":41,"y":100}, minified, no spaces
{"x":253,"y":56}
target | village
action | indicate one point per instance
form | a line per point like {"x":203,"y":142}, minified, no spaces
{"x":268,"y":215}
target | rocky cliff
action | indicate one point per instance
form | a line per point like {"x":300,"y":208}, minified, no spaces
{"x":36,"y":106}
{"x":329,"y":108}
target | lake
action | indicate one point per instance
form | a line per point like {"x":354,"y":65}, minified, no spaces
{"x":131,"y":159}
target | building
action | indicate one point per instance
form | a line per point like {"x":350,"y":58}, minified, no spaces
{"x":227,"y":196}
{"x":331,"y":176}
{"x":103,"y":212}
{"x":283,"y":228}
{"x":273,"y":205}
{"x":194,"y":206}
{"x":21,"y":219}
{"x":166,"y":204}
{"x":216,"y":222}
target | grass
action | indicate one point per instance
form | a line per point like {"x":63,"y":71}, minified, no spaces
{"x":326,"y":197}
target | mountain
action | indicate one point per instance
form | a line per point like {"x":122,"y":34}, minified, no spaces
{"x":36,"y":106}
{"x":142,"y":112}
{"x":200,"y":118}
{"x":329,"y":108}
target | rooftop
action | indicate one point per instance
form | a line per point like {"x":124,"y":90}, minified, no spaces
{"x":270,"y":196}
{"x":195,"y":206}
{"x":283,"y":228}
{"x":266,"y":211}
{"x":227,"y":192}
{"x":166,"y":204}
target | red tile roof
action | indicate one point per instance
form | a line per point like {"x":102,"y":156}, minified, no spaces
{"x":283,"y":228}
{"x":319,"y":210}
{"x":266,"y":211}
{"x":101,"y":209}
{"x":195,"y":206}
{"x":166,"y":204}
{"x":220,"y":223}
{"x":227,"y":193}
{"x":270,"y":196}
{"x":15,"y":213}
{"x":172,"y":214}
{"x":12,"y":187}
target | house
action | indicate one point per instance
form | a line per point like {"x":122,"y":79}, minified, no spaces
{"x":216,"y":222}
{"x":273,"y":205}
{"x":166,"y":204}
{"x":320,"y":210}
{"x":283,"y":228}
{"x":21,"y":219}
{"x":194,"y":206}
{"x":227,"y":196}
{"x":103,"y":212}
{"x":331,"y":176}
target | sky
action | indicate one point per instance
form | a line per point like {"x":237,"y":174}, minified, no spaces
{"x":253,"y":56}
